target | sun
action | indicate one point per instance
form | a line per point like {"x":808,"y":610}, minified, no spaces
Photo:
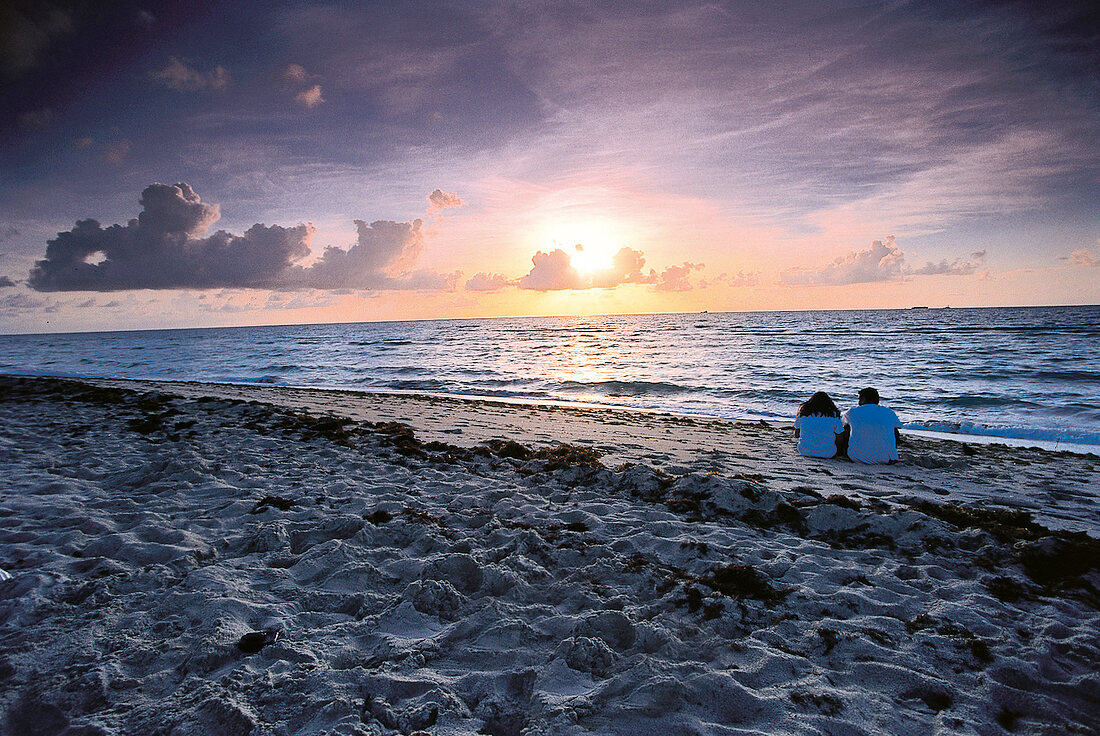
{"x":589,"y":258}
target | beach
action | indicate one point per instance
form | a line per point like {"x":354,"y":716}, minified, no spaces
{"x":470,"y":566}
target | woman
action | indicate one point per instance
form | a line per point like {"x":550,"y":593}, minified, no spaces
{"x":816,"y":426}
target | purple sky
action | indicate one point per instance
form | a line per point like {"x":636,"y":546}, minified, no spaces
{"x":352,"y":160}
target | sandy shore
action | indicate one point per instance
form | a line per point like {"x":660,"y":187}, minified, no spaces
{"x":481,"y":567}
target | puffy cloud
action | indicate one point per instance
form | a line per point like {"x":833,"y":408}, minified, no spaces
{"x":381,"y":258}
{"x":487,"y":282}
{"x":295,"y":73}
{"x":552,"y":271}
{"x":677,"y":278}
{"x":626,"y":268}
{"x":165,"y":247}
{"x":883,"y":261}
{"x":5,"y":282}
{"x":1084,"y":258}
{"x":178,"y":75}
{"x":82,"y":143}
{"x":958,"y":267}
{"x":311,"y":97}
{"x":440,"y":200}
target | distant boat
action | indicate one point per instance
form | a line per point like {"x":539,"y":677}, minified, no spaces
{"x":918,"y":307}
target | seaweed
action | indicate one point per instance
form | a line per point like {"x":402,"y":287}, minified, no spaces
{"x":1006,"y":525}
{"x":742,"y":581}
{"x":825,"y":703}
{"x":565,"y":455}
{"x":1007,"y":589}
{"x":509,"y":448}
{"x":838,"y":499}
{"x":378,"y":516}
{"x":275,"y":502}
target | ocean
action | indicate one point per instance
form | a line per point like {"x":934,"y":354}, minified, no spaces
{"x":1029,"y":375}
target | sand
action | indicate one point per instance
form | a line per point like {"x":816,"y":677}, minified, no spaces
{"x":482,"y":567}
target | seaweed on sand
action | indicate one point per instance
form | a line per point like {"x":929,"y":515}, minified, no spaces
{"x":566,"y":455}
{"x":275,"y":502}
{"x":742,"y":581}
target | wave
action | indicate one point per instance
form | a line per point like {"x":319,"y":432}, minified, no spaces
{"x":624,"y":388}
{"x":1045,"y":434}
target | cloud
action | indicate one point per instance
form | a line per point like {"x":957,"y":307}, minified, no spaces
{"x":116,"y":153}
{"x":166,"y":247}
{"x":1084,"y":258}
{"x":82,"y":143}
{"x":26,"y":31}
{"x":381,"y":258}
{"x":554,"y":271}
{"x":295,"y":73}
{"x":958,"y":267}
{"x":5,"y":282}
{"x":440,"y":200}
{"x":739,"y":279}
{"x":36,"y":119}
{"x":310,"y":98}
{"x":487,"y":282}
{"x":27,"y":303}
{"x":883,"y":261}
{"x":179,"y":76}
{"x":677,"y":278}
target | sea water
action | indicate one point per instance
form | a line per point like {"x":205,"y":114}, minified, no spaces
{"x":1030,"y":374}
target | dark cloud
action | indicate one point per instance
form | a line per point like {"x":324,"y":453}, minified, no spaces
{"x":883,"y":261}
{"x":487,"y":282}
{"x":165,"y":247}
{"x":36,"y":119}
{"x":178,"y":75}
{"x":5,"y":282}
{"x":26,"y":31}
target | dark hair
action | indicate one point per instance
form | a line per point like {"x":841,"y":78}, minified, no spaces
{"x":868,"y":396}
{"x":819,"y":405}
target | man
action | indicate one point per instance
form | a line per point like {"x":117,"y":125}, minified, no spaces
{"x":871,"y":431}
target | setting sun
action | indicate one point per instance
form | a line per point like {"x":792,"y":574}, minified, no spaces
{"x":590,"y":259}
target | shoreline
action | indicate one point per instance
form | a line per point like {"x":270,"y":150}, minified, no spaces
{"x":1078,"y":448}
{"x":935,"y":469}
{"x":722,"y":585}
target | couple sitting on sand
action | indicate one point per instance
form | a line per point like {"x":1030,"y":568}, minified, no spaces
{"x":867,"y":433}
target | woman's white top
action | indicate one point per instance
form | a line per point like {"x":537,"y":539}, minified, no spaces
{"x":817,"y":435}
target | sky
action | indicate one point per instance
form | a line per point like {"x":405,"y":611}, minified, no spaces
{"x":194,"y":164}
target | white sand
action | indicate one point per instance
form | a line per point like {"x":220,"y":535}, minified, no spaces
{"x":709,"y":588}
